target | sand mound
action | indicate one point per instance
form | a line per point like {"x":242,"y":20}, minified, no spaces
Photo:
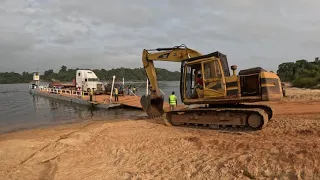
{"x":288,"y":148}
{"x":297,"y":94}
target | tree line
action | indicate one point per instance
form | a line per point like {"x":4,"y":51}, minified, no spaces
{"x":67,"y":75}
{"x":302,"y":74}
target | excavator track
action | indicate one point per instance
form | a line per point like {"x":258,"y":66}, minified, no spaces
{"x":267,"y":109}
{"x":264,"y":107}
{"x":220,"y":118}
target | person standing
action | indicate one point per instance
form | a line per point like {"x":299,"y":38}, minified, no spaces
{"x":129,"y":89}
{"x":173,"y":101}
{"x":116,"y":94}
{"x":79,"y":92}
{"x":134,"y":89}
{"x":121,"y":89}
{"x":91,"y":94}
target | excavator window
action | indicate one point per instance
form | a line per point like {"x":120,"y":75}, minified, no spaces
{"x":207,"y":72}
{"x":212,"y":75}
{"x":212,"y":70}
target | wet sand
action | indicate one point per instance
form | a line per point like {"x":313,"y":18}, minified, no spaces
{"x":288,"y":148}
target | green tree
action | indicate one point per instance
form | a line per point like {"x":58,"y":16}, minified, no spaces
{"x":67,"y":75}
{"x":63,"y":69}
{"x":301,"y":73}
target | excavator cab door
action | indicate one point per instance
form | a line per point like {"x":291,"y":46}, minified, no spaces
{"x":213,"y":79}
{"x":190,"y":89}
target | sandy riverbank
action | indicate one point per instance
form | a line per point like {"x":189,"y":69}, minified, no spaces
{"x":288,"y":148}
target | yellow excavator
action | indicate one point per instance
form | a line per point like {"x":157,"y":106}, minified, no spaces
{"x":226,"y":99}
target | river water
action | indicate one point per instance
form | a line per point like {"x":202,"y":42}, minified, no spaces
{"x":21,"y":110}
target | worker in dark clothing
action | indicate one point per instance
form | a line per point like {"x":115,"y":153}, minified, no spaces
{"x":121,"y":89}
{"x":129,"y":89}
{"x":199,"y":81}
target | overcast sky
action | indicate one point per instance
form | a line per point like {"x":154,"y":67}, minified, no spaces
{"x":109,"y":34}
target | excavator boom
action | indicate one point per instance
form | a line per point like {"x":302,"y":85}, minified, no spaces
{"x":153,"y":103}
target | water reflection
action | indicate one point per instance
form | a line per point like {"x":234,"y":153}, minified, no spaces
{"x":61,"y":110}
{"x":21,"y":110}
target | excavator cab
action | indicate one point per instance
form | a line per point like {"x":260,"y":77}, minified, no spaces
{"x":212,"y":71}
{"x":218,"y":87}
{"x":211,"y":77}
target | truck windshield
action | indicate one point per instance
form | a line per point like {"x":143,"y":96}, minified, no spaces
{"x":93,"y":79}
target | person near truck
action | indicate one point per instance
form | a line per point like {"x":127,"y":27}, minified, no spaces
{"x":116,"y":94}
{"x":91,"y":94}
{"x":79,"y":92}
{"x":173,"y":101}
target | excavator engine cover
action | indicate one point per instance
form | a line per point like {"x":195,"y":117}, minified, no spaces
{"x":153,"y":107}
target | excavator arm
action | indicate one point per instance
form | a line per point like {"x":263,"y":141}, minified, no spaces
{"x":153,"y":103}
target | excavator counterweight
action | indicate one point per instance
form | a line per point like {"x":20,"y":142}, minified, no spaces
{"x":227,"y":98}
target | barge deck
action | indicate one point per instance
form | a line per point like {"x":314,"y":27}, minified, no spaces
{"x":99,"y":101}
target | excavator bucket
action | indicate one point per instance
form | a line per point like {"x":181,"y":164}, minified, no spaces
{"x":153,"y":107}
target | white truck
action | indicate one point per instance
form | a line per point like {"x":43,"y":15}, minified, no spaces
{"x":87,"y":80}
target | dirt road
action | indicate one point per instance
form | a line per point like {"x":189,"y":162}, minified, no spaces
{"x":291,"y":108}
{"x":288,"y":148}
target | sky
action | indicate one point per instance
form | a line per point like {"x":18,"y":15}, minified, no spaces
{"x":47,"y":34}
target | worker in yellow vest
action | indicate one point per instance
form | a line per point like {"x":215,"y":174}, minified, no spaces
{"x":91,"y":94}
{"x":116,"y":94}
{"x":173,"y":101}
{"x":134,"y":89}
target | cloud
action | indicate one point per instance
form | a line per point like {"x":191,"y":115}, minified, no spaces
{"x":108,"y":34}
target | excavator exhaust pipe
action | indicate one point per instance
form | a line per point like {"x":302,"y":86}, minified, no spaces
{"x":234,"y":68}
{"x":153,"y":107}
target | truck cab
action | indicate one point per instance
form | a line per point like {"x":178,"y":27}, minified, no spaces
{"x":87,"y":80}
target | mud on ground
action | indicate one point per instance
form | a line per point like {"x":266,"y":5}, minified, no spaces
{"x":288,"y":148}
